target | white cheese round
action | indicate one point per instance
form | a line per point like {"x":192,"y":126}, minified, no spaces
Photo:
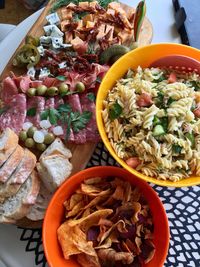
{"x":45,"y":124}
{"x":27,"y":125}
{"x":38,"y":137}
{"x":58,"y":130}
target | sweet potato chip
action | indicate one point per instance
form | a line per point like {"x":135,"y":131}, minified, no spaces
{"x":114,"y":256}
{"x":75,"y":209}
{"x":95,"y":180}
{"x":91,"y":190}
{"x":88,"y":261}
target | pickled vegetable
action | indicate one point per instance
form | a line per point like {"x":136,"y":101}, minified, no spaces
{"x":31,"y":131}
{"x":63,"y":88}
{"x":23,"y":136}
{"x":31,"y":92}
{"x":80,"y":87}
{"x":49,"y":138}
{"x":41,"y":90}
{"x":52,"y":91}
{"x":41,"y":147}
{"x":30,"y":143}
{"x":28,"y":55}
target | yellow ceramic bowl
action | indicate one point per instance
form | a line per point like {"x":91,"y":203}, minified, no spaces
{"x":143,"y":57}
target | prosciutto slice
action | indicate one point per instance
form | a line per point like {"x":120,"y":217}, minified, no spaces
{"x":9,"y":89}
{"x":37,"y":102}
{"x":15,"y":114}
{"x":91,"y":130}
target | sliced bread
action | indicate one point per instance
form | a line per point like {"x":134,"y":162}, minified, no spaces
{"x":17,"y":206}
{"x":57,"y":147}
{"x":8,"y":143}
{"x":37,"y":211}
{"x":53,"y":170}
{"x":19,"y":176}
{"x":11,"y":164}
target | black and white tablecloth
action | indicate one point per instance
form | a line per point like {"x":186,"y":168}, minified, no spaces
{"x":183,"y":210}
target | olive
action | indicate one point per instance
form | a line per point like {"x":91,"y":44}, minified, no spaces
{"x":23,"y":136}
{"x":52,"y":91}
{"x":80,"y":87}
{"x":41,"y":147}
{"x":31,"y":131}
{"x":49,"y":138}
{"x":31,"y":91}
{"x":29,"y":142}
{"x":63,"y":88}
{"x":41,"y":90}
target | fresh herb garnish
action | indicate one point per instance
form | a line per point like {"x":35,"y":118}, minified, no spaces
{"x":164,"y":123}
{"x":44,"y":115}
{"x":160,"y":79}
{"x":176,"y":149}
{"x":31,"y":112}
{"x":53,"y":116}
{"x":79,"y":121}
{"x":115,"y":111}
{"x":61,"y":78}
{"x":64,"y":108}
{"x":170,"y":100}
{"x":160,"y":99}
{"x":195,"y":84}
{"x":190,"y":137}
{"x":79,"y":16}
{"x":91,"y":97}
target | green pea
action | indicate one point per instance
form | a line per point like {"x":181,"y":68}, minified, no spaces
{"x":80,"y":87}
{"x":52,"y":91}
{"x":41,"y":147}
{"x":31,"y":131}
{"x":30,"y":143}
{"x":63,"y":88}
{"x":22,"y":136}
{"x":31,"y":92}
{"x":41,"y":90}
{"x":49,"y":138}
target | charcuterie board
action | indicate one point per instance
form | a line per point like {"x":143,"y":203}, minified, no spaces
{"x":80,"y":153}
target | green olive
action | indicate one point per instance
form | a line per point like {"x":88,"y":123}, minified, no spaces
{"x":41,"y":147}
{"x":49,"y":138}
{"x":31,"y":91}
{"x":31,"y":131}
{"x":52,"y":91}
{"x":63,"y":88}
{"x":41,"y":90}
{"x":80,"y":87}
{"x":22,"y":136}
{"x":29,"y":142}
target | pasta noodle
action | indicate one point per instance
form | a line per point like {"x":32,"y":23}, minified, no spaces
{"x":150,"y":118}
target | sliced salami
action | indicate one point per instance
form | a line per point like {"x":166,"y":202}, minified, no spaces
{"x":22,"y":82}
{"x":9,"y":89}
{"x":91,"y":130}
{"x":74,"y":101}
{"x":15,"y":114}
{"x":49,"y":103}
{"x":37,"y":102}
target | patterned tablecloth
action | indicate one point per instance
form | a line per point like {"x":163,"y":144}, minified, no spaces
{"x":183,"y":210}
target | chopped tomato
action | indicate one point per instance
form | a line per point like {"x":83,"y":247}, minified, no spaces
{"x":172,"y":78}
{"x":144,"y":100}
{"x":133,"y":162}
{"x":197,"y":111}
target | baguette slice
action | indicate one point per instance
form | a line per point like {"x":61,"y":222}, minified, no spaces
{"x":8,"y":143}
{"x":17,"y":206}
{"x":57,"y":147}
{"x":37,"y":211}
{"x":19,"y":176}
{"x":11,"y":164}
{"x":53,"y":170}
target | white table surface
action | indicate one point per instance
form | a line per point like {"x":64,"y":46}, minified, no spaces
{"x":161,"y":15}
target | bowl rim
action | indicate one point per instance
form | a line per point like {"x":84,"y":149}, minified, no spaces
{"x":194,"y":180}
{"x":123,"y":172}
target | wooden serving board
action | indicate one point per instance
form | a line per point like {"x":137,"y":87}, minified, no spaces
{"x":81,"y":154}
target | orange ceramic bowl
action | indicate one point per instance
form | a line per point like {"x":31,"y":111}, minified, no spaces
{"x":143,"y":57}
{"x":55,"y":214}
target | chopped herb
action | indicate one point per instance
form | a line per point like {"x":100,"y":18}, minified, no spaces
{"x":53,"y":116}
{"x":79,"y":120}
{"x":44,"y":115}
{"x":176,"y":149}
{"x":66,"y":108}
{"x":195,"y":84}
{"x":91,"y":97}
{"x":160,"y":99}
{"x":170,"y":100}
{"x":158,"y":130}
{"x":156,"y":120}
{"x":2,"y":110}
{"x":79,"y":16}
{"x":160,"y":79}
{"x":115,"y":111}
{"x":61,"y":78}
{"x":190,"y":137}
{"x":31,"y":112}
{"x":164,"y":123}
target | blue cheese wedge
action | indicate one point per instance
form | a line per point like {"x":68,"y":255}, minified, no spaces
{"x":57,"y":42}
{"x":41,"y":50}
{"x":53,"y":18}
{"x":44,"y":72}
{"x":53,"y":31}
{"x":62,"y":65}
{"x":45,"y":40}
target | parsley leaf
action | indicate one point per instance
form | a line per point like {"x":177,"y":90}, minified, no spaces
{"x":44,"y":115}
{"x":176,"y":149}
{"x":64,"y":108}
{"x":79,"y":120}
{"x":91,"y":97}
{"x":115,"y":111}
{"x":31,"y":112}
{"x":61,"y":78}
{"x":53,"y":116}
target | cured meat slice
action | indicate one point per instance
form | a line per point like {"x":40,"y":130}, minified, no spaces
{"x":91,"y":130}
{"x":15,"y":114}
{"x":49,"y":81}
{"x":58,"y":101}
{"x":22,"y":82}
{"x":9,"y":89}
{"x":49,"y":103}
{"x":74,"y":101}
{"x":37,"y":102}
